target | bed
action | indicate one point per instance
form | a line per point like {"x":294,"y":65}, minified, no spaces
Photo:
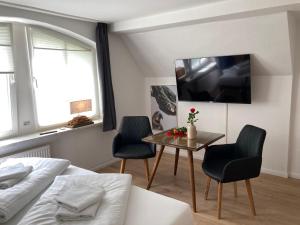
{"x":143,"y":206}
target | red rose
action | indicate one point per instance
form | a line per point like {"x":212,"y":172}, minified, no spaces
{"x":193,"y":110}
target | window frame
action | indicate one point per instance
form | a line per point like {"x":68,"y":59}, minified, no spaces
{"x":12,"y":89}
{"x":97,"y":86}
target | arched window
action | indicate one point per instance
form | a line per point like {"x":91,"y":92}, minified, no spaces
{"x":42,"y":71}
{"x":63,"y":71}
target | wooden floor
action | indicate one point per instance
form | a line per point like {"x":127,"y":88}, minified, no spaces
{"x":277,"y":200}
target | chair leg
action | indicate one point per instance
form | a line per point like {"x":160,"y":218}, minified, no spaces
{"x":123,"y":163}
{"x":207,"y":187}
{"x":147,"y":169}
{"x":250,"y":196}
{"x":176,"y":161}
{"x":235,"y":189}
{"x":220,"y":189}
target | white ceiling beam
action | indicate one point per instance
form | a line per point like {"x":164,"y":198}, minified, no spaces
{"x":225,"y":10}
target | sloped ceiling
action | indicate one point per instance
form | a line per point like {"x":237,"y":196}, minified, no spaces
{"x":265,"y":37}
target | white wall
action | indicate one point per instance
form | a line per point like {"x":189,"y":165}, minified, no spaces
{"x":295,"y":116}
{"x":128,"y":81}
{"x":90,"y":147}
{"x":267,"y":39}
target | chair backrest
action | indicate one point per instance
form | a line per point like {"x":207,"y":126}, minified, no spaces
{"x":134,"y":128}
{"x":250,"y":141}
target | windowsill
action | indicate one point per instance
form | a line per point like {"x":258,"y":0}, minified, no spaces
{"x":37,"y":135}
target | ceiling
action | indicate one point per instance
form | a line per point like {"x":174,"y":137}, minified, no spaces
{"x":110,"y":10}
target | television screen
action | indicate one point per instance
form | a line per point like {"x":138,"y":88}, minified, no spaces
{"x":214,"y":79}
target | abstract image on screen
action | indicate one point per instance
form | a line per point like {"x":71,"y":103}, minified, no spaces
{"x":214,"y":79}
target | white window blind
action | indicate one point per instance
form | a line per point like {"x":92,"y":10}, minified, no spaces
{"x":6,"y":81}
{"x":63,"y":71}
{"x":6,"y":65}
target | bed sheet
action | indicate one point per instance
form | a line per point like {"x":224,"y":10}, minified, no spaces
{"x":144,"y":207}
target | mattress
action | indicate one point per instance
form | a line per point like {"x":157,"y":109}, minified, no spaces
{"x":144,"y":207}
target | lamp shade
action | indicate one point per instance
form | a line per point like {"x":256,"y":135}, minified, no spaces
{"x":81,"y":106}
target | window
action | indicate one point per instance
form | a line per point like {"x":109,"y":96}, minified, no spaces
{"x":7,"y":102}
{"x":63,"y":71}
{"x":41,"y":72}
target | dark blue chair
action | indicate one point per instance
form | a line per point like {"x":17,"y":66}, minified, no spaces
{"x":128,"y":143}
{"x":234,"y":162}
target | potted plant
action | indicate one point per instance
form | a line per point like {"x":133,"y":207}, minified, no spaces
{"x":191,"y":129}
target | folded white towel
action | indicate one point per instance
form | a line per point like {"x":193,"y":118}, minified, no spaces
{"x":13,"y":199}
{"x":112,"y":209}
{"x":76,"y":197}
{"x":63,"y":214}
{"x":11,"y":182}
{"x":12,"y":172}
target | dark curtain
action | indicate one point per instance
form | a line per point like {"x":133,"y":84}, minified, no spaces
{"x":109,"y":112}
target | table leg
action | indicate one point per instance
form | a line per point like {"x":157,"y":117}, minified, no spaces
{"x":155,"y":166}
{"x":147,"y":168}
{"x":192,"y":179}
{"x":176,"y":161}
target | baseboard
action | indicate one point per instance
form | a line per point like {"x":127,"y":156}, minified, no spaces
{"x":294,"y":175}
{"x":105,"y":164}
{"x":275,"y":172}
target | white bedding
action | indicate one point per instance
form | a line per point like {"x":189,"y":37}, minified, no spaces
{"x":13,"y":199}
{"x":111,"y":211}
{"x":144,"y":207}
{"x":149,"y":208}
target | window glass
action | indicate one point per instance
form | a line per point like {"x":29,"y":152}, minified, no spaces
{"x":6,"y":81}
{"x":63,"y":71}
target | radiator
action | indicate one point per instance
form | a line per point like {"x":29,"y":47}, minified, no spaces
{"x":42,"y":151}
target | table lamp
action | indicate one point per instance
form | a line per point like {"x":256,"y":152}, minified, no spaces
{"x":79,"y":107}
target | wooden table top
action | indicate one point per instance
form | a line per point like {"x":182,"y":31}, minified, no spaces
{"x":202,"y":141}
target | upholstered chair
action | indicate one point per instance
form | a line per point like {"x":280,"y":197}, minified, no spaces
{"x":234,"y":162}
{"x":128,"y":143}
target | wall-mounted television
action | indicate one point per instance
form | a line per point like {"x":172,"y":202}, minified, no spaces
{"x":214,"y":79}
